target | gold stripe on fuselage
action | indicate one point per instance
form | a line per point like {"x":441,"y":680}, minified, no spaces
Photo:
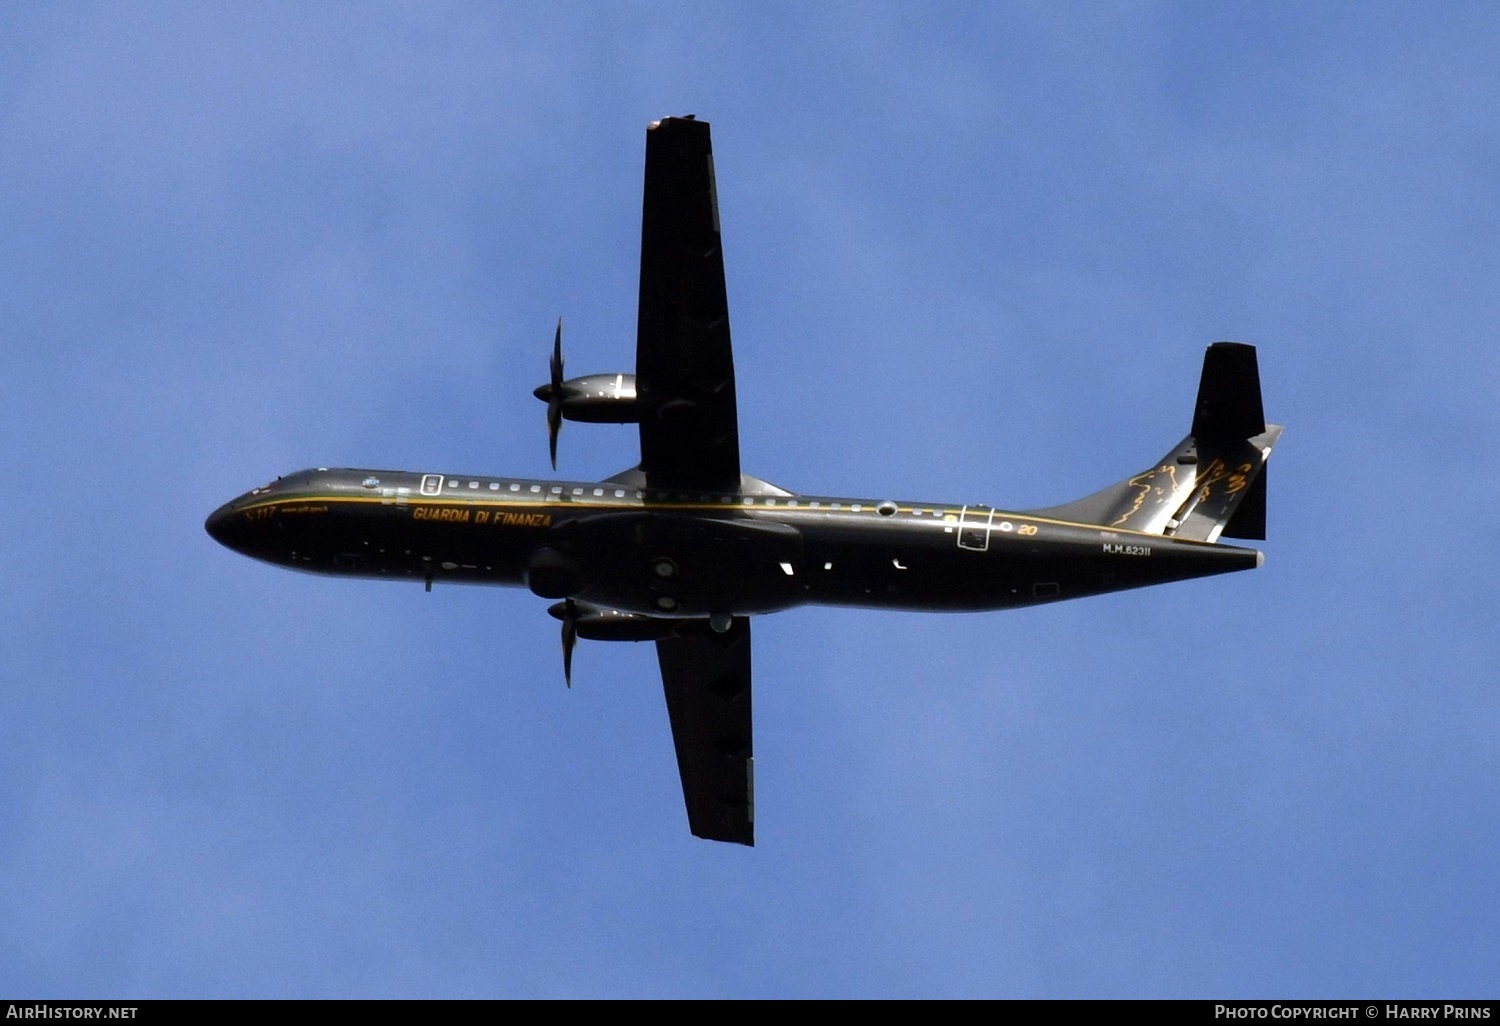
{"x":553,"y":502}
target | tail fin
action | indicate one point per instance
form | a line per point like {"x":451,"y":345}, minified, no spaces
{"x":1213,"y":483}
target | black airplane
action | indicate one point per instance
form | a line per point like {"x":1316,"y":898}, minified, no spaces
{"x":684,"y":548}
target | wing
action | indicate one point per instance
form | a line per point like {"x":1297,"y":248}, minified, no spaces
{"x":684,"y":378}
{"x":684,"y":369}
{"x":707,"y":680}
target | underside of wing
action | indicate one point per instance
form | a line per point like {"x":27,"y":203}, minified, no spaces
{"x":684,"y":366}
{"x":706,"y":676}
{"x":684,"y":373}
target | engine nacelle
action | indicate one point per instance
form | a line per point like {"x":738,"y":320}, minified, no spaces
{"x":596,"y":399}
{"x":597,"y":624}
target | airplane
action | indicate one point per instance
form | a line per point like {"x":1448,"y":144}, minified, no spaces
{"x":684,"y":548}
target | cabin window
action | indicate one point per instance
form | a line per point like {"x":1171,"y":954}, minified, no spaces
{"x":813,"y":505}
{"x":473,"y":484}
{"x":619,"y":493}
{"x":371,"y":482}
{"x":536,"y":488}
{"x":792,"y":503}
{"x":515,"y":487}
{"x":856,"y":507}
{"x":557,"y":489}
{"x":598,"y":491}
{"x":577,"y":491}
{"x":494,"y":486}
{"x":452,"y":484}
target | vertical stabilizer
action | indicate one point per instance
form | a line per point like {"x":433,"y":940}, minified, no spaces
{"x":1229,"y":394}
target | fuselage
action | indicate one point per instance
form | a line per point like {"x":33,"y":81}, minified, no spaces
{"x":691,"y":555}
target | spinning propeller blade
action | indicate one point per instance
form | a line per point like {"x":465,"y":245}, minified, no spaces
{"x":555,"y":395}
{"x":569,"y":638}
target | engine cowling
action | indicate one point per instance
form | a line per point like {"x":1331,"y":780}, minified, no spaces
{"x":594,"y":398}
{"x":594,"y":623}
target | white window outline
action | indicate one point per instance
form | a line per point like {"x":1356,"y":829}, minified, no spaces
{"x":977,"y":519}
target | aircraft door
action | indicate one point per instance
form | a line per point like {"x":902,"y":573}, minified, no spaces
{"x":974,"y":527}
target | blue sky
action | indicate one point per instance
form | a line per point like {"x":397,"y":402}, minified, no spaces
{"x":974,"y":254}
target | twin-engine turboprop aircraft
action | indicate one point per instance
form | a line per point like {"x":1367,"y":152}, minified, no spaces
{"x":684,"y":548}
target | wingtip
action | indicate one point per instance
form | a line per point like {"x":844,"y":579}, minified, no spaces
{"x":670,"y":117}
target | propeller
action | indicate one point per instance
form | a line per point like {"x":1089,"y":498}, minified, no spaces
{"x":569,"y":638}
{"x":555,"y":395}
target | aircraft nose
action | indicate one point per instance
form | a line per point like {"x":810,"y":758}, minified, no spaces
{"x":218,"y":525}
